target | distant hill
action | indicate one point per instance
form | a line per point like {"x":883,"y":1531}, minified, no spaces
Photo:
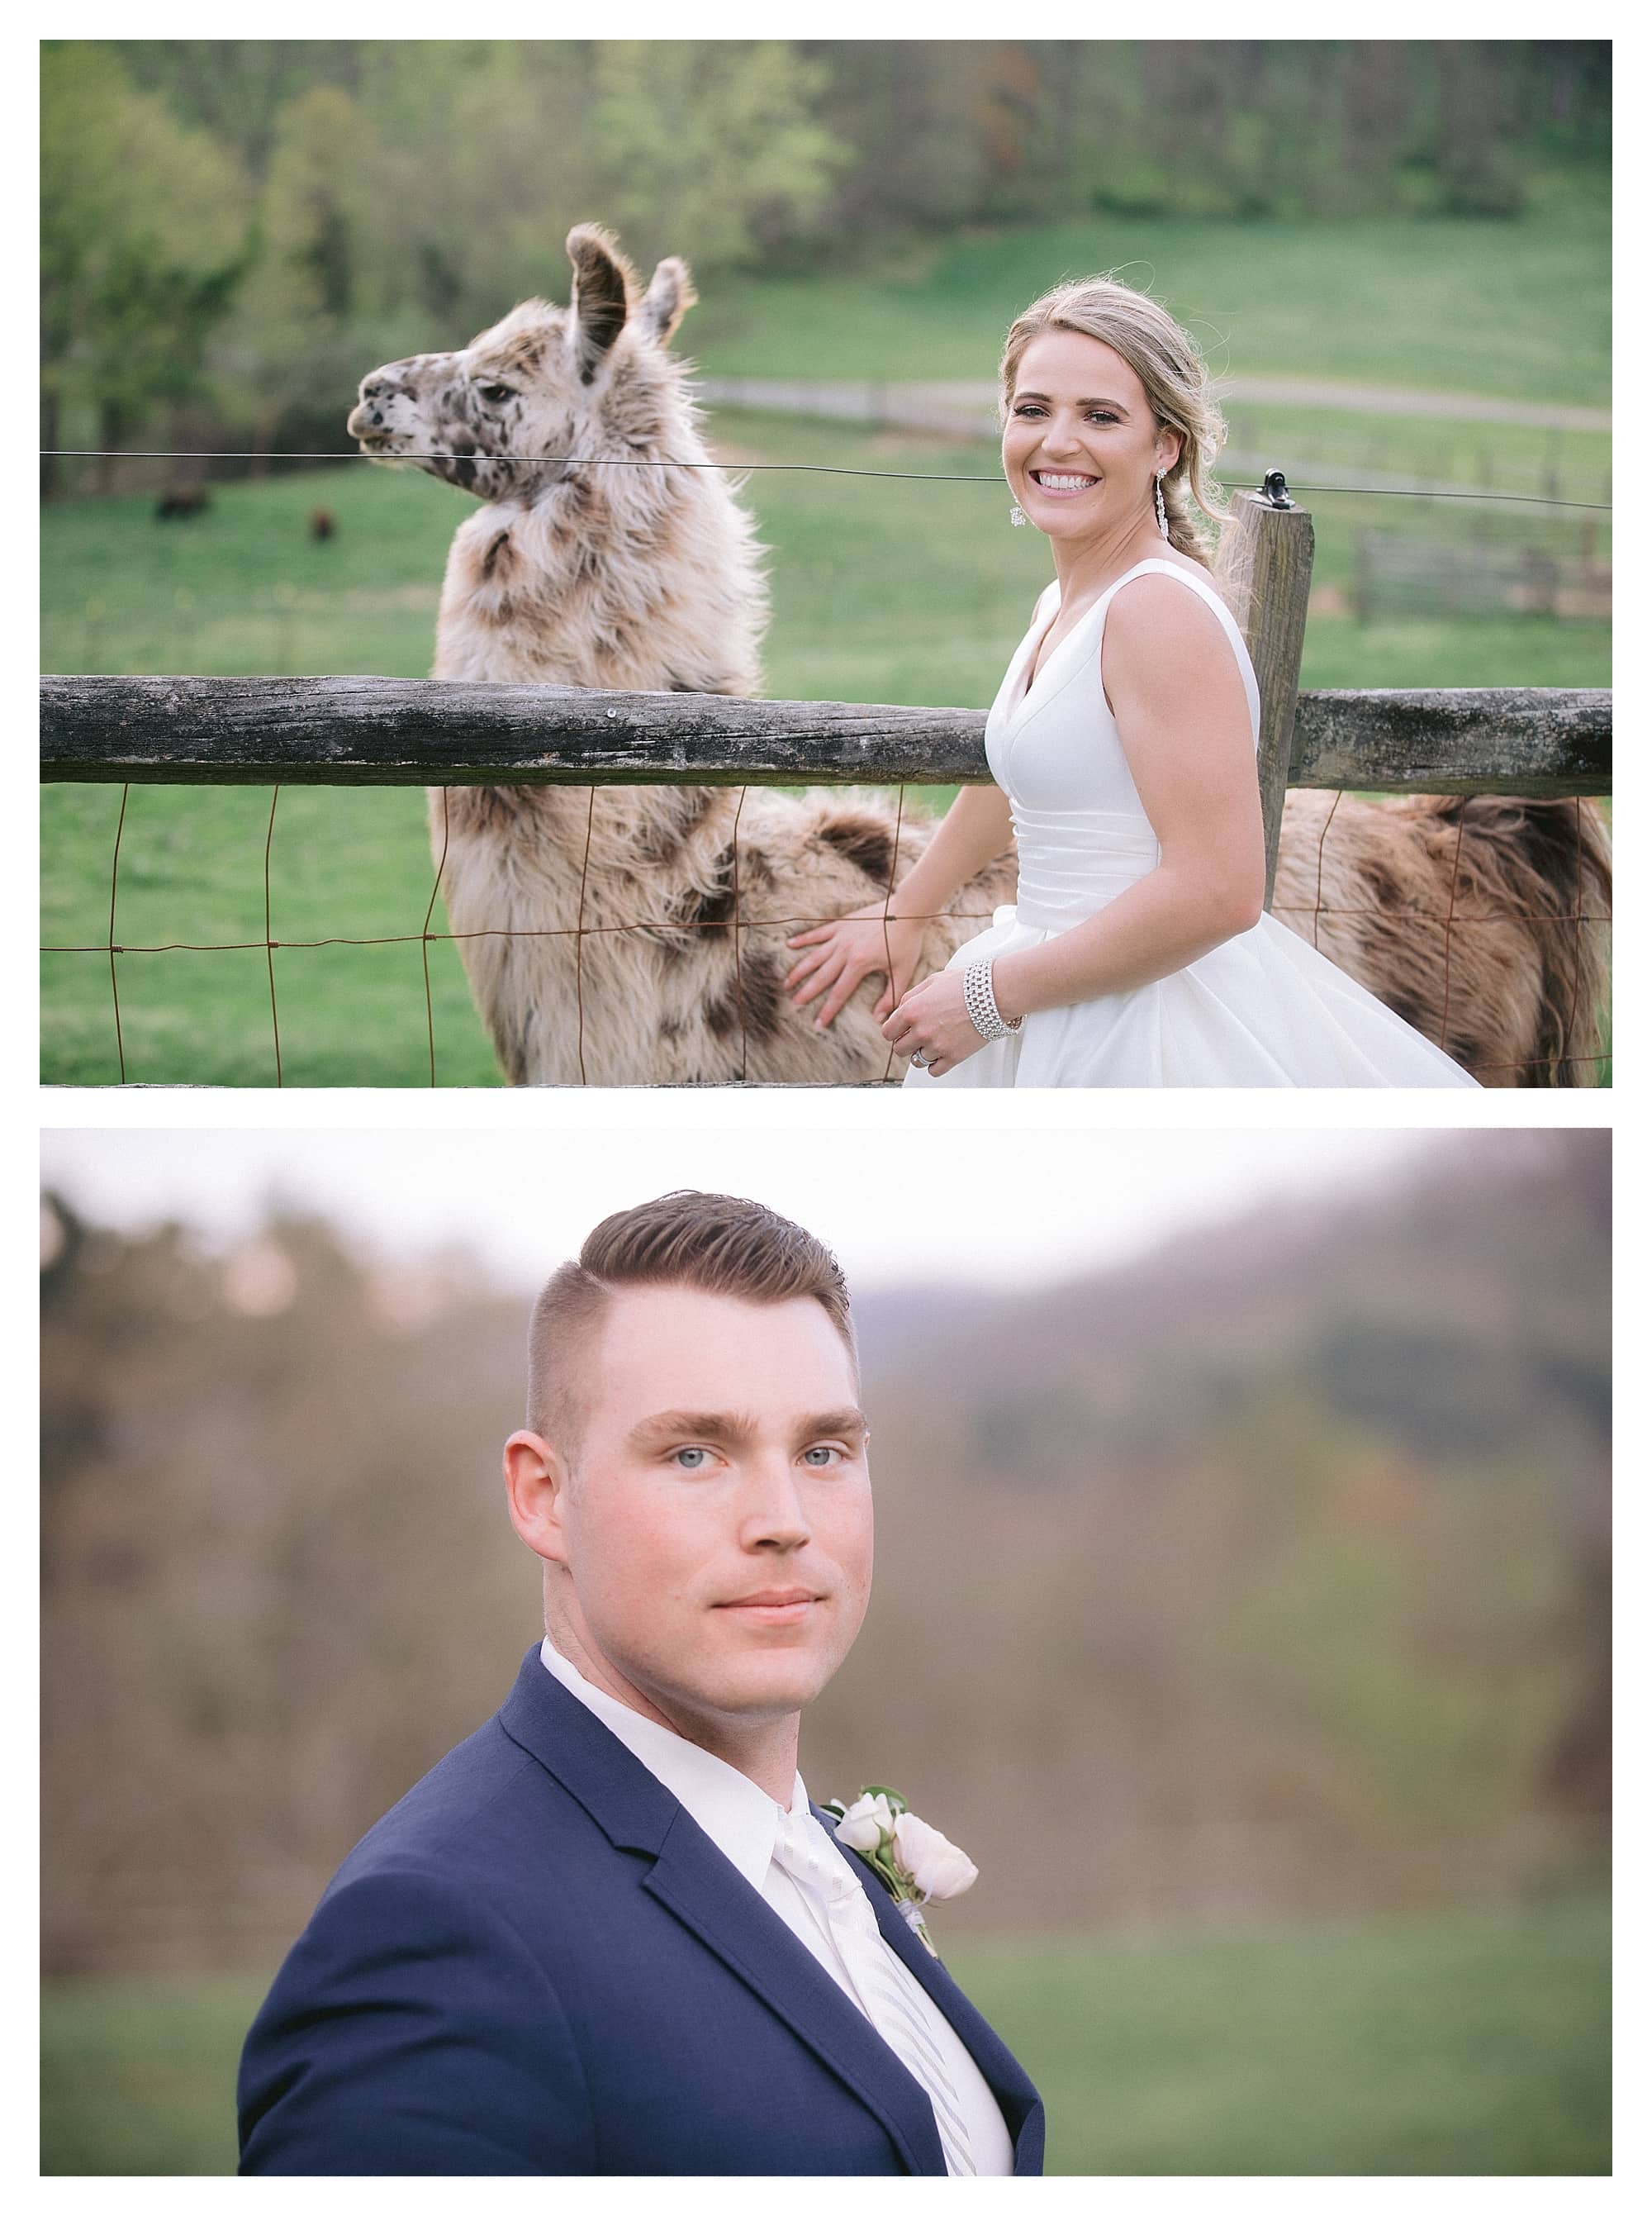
{"x":1263,"y":1574}
{"x":1472,"y":1302}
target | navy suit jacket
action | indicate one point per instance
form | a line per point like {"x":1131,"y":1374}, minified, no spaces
{"x":538,"y":1964}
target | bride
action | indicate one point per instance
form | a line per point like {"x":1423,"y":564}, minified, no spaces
{"x":1123,"y":743}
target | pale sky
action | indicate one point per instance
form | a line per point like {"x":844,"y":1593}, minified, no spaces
{"x":981,"y":1207}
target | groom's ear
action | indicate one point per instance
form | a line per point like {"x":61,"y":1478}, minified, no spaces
{"x":536,"y":1480}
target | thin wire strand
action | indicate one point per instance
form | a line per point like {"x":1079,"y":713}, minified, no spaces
{"x":579,"y":935}
{"x":673,"y":924}
{"x":568,"y":461}
{"x":889,"y":891}
{"x":1542,"y":1061}
{"x":424,"y":940}
{"x":269,"y":944}
{"x":1427,"y":492}
{"x":1451,"y":905}
{"x":1319,"y":879}
{"x":114,"y":879}
{"x":740,"y":988}
{"x":1577,"y":932}
{"x":743,"y":469}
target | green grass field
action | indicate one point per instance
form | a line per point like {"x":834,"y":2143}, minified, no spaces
{"x":1508,"y":458}
{"x":882,"y":590}
{"x":1518,"y":310}
{"x":1456,"y":2046}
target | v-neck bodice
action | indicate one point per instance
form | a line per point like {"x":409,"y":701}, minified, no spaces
{"x":1082,"y":833}
{"x":1024,"y":677}
{"x":1025,"y":671}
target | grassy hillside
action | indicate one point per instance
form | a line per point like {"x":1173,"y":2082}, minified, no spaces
{"x":1455,"y":2046}
{"x":1520,"y":310}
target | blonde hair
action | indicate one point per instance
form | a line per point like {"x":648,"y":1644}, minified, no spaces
{"x":1173,"y":376}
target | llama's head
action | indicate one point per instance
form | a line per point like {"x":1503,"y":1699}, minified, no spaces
{"x":592,"y":379}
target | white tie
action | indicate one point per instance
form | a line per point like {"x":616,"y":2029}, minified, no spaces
{"x":805,"y":1853}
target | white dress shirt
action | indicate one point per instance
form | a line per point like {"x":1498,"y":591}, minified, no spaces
{"x":740,"y":1818}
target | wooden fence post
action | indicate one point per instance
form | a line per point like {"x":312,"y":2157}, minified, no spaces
{"x":1267,"y":559}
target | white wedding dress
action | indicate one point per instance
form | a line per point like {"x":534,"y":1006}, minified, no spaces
{"x":1264,"y":1008}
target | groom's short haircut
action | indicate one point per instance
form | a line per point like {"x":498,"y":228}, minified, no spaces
{"x":709,"y":1242}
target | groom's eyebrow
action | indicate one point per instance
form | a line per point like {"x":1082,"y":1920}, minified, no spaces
{"x":836,"y":1424}
{"x":672,"y":1425}
{"x":722,"y":1427}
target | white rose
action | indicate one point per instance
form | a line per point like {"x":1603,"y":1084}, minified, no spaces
{"x":938,"y":1869}
{"x":859,"y":1833}
{"x":871,"y":1807}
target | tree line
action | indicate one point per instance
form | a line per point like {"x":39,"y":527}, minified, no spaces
{"x":237,"y":225}
{"x":1270,"y":1570}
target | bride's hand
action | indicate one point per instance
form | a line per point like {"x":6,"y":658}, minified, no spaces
{"x":864,"y":943}
{"x":933,"y":1020}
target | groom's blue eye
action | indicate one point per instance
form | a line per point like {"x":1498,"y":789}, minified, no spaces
{"x":833,"y":1452}
{"x":678,"y":1454}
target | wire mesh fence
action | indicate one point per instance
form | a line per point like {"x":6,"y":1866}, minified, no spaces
{"x":1441,"y":922}
{"x":1564,"y":942}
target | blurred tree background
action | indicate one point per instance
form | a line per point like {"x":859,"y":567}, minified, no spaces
{"x":1245,"y":1602}
{"x":1271,"y":1567}
{"x":234,"y":227}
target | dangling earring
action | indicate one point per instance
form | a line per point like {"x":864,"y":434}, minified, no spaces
{"x":1158,"y":504}
{"x":1015,"y":515}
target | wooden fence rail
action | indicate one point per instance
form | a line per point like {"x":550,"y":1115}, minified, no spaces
{"x":379,"y":730}
{"x":382,"y":730}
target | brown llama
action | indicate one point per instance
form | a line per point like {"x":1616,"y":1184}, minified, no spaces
{"x":1508,"y":971}
{"x":625,"y":579}
{"x":597,"y":924}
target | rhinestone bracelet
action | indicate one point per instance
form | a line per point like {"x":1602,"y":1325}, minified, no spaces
{"x":983,"y":1008}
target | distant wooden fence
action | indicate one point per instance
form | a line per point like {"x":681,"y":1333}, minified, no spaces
{"x":1395,"y":575}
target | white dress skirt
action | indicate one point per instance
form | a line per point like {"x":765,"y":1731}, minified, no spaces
{"x":1264,"y":1008}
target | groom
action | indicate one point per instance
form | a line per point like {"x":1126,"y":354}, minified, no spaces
{"x":609,"y":1933}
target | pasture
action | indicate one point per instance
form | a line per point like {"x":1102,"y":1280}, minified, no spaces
{"x":1458,"y":2045}
{"x":883,"y":590}
{"x":1519,"y":309}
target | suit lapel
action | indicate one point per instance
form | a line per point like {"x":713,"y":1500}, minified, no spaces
{"x":703,"y":1889}
{"x":1013,"y":2089}
{"x":699,"y":1886}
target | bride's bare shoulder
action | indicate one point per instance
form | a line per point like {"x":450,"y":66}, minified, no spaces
{"x":1162,"y":637}
{"x":1153,"y":603}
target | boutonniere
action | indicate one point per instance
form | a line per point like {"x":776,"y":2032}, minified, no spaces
{"x":910,"y":1860}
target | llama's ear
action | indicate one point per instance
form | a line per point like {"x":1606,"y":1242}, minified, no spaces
{"x":670,"y":296}
{"x":601,"y":290}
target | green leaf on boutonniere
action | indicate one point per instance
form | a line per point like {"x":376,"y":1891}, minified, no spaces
{"x":899,"y":1804}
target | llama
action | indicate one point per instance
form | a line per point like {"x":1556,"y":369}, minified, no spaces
{"x":627,"y":935}
{"x":625,"y":579}
{"x":1508,"y":971}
